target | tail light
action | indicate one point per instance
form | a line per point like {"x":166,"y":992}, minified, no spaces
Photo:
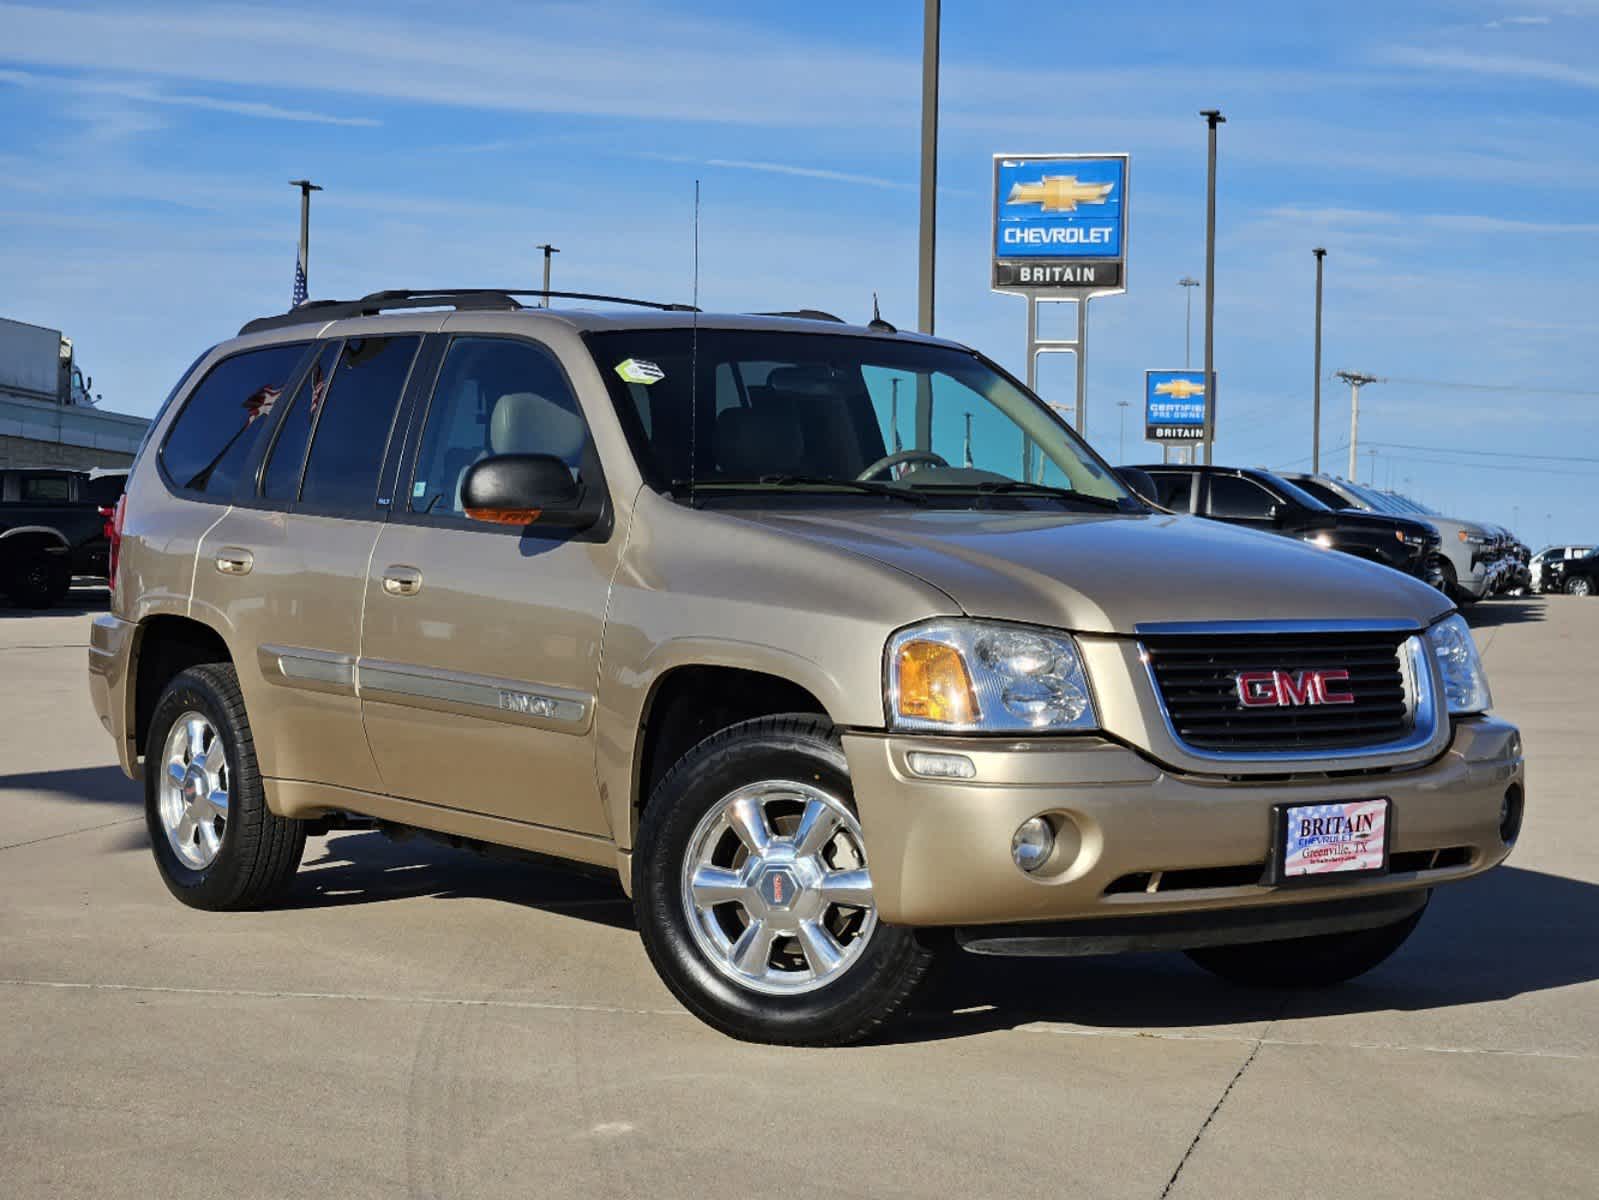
{"x":113,"y":536}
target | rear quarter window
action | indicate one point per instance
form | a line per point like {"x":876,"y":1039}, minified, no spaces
{"x":224,"y":416}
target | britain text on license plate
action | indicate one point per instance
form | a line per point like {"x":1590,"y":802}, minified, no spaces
{"x":1330,"y":839}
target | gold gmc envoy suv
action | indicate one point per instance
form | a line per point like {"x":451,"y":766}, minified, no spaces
{"x":833,"y":642}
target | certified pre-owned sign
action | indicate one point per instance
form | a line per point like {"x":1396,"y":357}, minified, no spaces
{"x":1060,"y":222}
{"x":1175,"y":404}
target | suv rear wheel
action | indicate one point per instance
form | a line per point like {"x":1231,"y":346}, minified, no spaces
{"x":217,"y":844}
{"x":1309,"y":962}
{"x":1579,"y":586}
{"x":754,"y":895}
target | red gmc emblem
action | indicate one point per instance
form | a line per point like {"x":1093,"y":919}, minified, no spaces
{"x":1284,"y":689}
{"x":777,"y":889}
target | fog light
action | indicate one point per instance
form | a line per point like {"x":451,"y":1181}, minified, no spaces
{"x":1510,"y":810}
{"x":940,"y":766}
{"x":1033,"y":843}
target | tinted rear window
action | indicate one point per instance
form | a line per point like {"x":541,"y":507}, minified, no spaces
{"x":352,"y":429}
{"x":223,"y":417}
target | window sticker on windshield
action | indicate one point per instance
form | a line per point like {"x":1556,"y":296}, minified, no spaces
{"x":638,"y":370}
{"x":419,"y":489}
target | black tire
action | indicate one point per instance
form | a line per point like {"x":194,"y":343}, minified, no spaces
{"x":1451,"y":585}
{"x":38,"y":579}
{"x":1312,"y":962}
{"x":892,"y":964}
{"x":1580,"y":586}
{"x":260,"y":851}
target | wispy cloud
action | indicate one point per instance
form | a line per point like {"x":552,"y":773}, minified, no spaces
{"x":777,"y":168}
{"x":146,"y":94}
{"x":1523,"y":22}
{"x":1501,"y":66}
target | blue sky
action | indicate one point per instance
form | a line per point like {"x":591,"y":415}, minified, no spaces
{"x":1444,"y":153}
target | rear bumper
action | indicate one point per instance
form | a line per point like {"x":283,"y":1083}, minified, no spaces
{"x":110,"y":651}
{"x":1138,"y":839}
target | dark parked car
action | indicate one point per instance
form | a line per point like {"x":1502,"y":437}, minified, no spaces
{"x":1574,"y":576}
{"x":53,"y":527}
{"x":1260,"y":500}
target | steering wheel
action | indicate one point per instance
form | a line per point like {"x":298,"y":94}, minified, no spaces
{"x":902,"y":456}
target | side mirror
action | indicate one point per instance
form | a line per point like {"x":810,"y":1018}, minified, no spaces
{"x":1139,"y":483}
{"x":527,"y":489}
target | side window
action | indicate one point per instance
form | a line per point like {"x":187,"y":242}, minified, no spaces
{"x":224,"y":415}
{"x":45,"y":489}
{"x":352,"y":425}
{"x":281,"y":479}
{"x":1173,"y":489}
{"x":494,"y":396}
{"x":1234,"y":498}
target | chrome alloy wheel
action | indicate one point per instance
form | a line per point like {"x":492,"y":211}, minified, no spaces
{"x":776,"y":887}
{"x":193,"y":797}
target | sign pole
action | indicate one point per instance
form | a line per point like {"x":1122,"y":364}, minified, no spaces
{"x":1081,"y":415}
{"x":1315,"y":421}
{"x":1213,"y":118}
{"x":927,"y":241}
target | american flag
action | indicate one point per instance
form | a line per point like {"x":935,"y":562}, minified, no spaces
{"x":299,"y":282}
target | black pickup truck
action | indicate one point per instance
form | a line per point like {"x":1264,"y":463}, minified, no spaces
{"x":52,"y":528}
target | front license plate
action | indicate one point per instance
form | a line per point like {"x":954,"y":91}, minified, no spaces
{"x":1333,"y":839}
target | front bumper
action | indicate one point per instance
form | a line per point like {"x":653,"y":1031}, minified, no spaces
{"x":1138,"y":838}
{"x":110,"y":651}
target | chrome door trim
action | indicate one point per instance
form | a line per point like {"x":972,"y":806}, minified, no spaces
{"x":511,"y":701}
{"x":310,"y":670}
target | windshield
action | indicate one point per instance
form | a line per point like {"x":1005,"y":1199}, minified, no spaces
{"x":780,"y":410}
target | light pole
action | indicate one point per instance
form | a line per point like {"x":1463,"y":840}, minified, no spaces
{"x":548,"y":251}
{"x":1213,"y":118}
{"x":302,"y":266}
{"x":1356,"y":381}
{"x":926,"y":249}
{"x":1315,"y":424}
{"x":1121,"y":432}
{"x":1188,"y":283}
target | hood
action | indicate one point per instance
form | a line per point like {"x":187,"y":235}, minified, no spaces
{"x":1347,"y":518}
{"x":1110,"y":573}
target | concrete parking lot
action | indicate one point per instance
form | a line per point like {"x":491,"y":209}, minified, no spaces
{"x":422,"y":1022}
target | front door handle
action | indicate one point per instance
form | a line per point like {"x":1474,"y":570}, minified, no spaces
{"x":234,"y":560}
{"x":402,"y":581}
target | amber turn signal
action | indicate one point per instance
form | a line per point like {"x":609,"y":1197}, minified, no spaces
{"x":934,"y":684}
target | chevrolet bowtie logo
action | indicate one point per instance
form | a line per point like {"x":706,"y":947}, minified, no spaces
{"x":1059,"y":193}
{"x":1183,"y":389}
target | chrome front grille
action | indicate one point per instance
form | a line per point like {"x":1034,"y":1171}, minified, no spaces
{"x":1196,"y":676}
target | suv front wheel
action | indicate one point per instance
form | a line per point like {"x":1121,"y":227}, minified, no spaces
{"x":754,"y":894}
{"x":217,"y":844}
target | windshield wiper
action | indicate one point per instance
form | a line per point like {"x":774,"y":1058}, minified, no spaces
{"x":1016,"y":487}
{"x":865,"y":486}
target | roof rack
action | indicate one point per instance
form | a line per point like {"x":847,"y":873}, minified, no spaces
{"x":805,"y":314}
{"x":503,"y":299}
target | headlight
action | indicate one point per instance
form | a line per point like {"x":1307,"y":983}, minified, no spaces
{"x":1465,"y":682}
{"x":965,"y":676}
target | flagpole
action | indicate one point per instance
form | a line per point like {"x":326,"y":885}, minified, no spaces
{"x":302,"y":267}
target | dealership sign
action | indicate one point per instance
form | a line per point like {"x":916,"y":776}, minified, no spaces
{"x":1060,"y":223}
{"x":1175,"y":404}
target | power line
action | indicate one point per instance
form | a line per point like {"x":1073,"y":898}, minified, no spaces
{"x":1574,"y":458}
{"x":1492,"y":387}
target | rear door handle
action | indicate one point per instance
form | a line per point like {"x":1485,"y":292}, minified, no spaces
{"x":402,"y":581}
{"x":234,"y":560}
